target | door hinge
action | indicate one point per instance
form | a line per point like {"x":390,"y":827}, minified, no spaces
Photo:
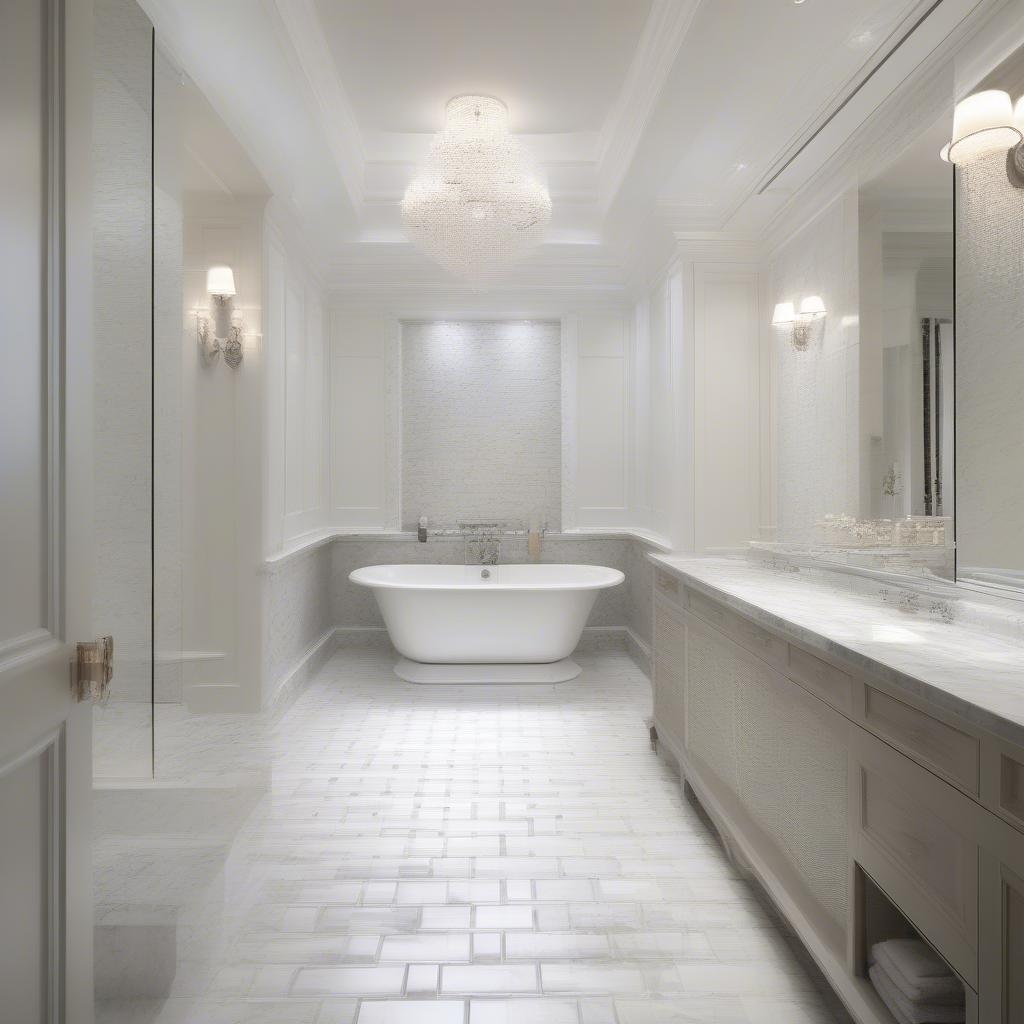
{"x":92,"y":669}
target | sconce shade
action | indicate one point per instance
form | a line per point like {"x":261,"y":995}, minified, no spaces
{"x":220,"y":281}
{"x":784,"y":313}
{"x":982,"y":124}
{"x":812,"y":306}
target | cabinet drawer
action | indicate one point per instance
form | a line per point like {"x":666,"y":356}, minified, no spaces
{"x":826,"y":681}
{"x":1011,"y":788}
{"x":757,"y":640}
{"x":708,"y":610}
{"x":670,"y":587}
{"x":746,"y":633}
{"x":918,"y":838}
{"x":938,"y":746}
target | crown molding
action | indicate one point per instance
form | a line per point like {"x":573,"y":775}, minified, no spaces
{"x":379,"y":265}
{"x":667,"y":26}
{"x":334,"y":112}
{"x":923,"y":93}
{"x":462,"y":303}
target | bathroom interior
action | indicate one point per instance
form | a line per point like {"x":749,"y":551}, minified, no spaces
{"x":595,"y":599}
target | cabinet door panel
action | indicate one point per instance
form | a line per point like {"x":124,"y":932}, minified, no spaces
{"x":792,"y":767}
{"x":781,"y":753}
{"x":669,"y":669}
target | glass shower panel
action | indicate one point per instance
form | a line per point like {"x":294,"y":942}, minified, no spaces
{"x":122,"y":383}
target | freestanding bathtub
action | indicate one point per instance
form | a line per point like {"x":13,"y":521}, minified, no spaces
{"x":486,"y":623}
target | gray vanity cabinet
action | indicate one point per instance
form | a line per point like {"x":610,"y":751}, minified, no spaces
{"x":760,"y":747}
{"x":825,"y":782}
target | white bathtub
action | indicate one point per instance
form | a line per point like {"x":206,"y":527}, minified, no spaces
{"x":495,"y":615}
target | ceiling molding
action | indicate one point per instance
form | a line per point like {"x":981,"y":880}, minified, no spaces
{"x":380,"y":265}
{"x":667,"y":26}
{"x":923,"y":94}
{"x":921,"y":91}
{"x":334,"y":110}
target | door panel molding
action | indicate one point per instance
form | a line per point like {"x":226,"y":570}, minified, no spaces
{"x":41,"y":642}
{"x":50,"y":750}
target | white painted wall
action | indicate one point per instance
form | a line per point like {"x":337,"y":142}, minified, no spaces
{"x":296,"y":386}
{"x":122,"y":209}
{"x":819,"y":442}
{"x":599,"y":444}
{"x":221,"y":447}
{"x":698,"y":406}
{"x":600,"y":359}
{"x":364,"y":420}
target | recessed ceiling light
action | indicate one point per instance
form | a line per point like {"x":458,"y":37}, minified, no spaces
{"x":797,"y":3}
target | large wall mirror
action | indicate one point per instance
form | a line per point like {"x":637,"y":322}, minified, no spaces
{"x":906,"y":332}
{"x":990,"y":359}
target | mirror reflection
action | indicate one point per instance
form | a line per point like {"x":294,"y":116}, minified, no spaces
{"x":990,"y":355}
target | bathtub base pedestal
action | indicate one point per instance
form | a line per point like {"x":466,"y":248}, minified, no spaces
{"x":553,"y":672}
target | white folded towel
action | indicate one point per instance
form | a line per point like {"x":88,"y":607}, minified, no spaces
{"x":907,"y":1012}
{"x":918,"y":971}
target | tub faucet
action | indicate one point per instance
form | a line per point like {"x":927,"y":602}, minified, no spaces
{"x":421,"y":530}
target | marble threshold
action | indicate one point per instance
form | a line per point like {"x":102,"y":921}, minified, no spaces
{"x":953,"y":665}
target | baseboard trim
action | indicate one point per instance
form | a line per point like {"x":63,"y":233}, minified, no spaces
{"x":639,"y":651}
{"x":295,"y":681}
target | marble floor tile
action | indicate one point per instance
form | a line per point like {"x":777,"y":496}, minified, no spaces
{"x":518,"y":1011}
{"x":382,"y":853}
{"x":480,"y":978}
{"x":444,"y":1011}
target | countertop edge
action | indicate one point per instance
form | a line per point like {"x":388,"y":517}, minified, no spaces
{"x":981,"y":717}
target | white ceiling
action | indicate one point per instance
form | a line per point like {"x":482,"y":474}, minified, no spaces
{"x":670,"y":112}
{"x":213,"y":161}
{"x":558,"y":64}
{"x":918,"y":168}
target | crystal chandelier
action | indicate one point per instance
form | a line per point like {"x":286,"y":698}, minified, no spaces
{"x":478,"y":204}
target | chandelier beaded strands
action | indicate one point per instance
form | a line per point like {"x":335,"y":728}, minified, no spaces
{"x":478,"y":204}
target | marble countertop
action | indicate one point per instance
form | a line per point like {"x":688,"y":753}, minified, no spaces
{"x":960,"y":668}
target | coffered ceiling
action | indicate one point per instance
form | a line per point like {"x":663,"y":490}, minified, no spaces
{"x":559,"y":64}
{"x":676,"y":113}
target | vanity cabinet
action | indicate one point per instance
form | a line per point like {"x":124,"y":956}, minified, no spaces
{"x":824,"y":780}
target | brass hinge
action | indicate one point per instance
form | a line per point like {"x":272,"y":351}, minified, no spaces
{"x":93,"y":669}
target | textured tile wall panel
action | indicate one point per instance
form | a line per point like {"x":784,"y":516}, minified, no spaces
{"x":989,"y":365}
{"x":481,"y":421}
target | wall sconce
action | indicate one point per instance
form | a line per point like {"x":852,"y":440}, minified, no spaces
{"x":226,"y":329}
{"x":985,"y":123}
{"x":812,"y":309}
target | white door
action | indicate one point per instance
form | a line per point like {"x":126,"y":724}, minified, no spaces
{"x":45,"y":508}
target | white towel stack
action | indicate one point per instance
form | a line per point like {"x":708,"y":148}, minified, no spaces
{"x":915,"y":983}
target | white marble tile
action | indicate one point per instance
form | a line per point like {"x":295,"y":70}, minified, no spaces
{"x":504,"y":917}
{"x":481,"y":978}
{"x":443,"y":918}
{"x":422,"y":979}
{"x":592,"y":978}
{"x":429,"y":948}
{"x":446,"y":1011}
{"x":486,"y":855}
{"x":519,"y":1011}
{"x":314,"y":981}
{"x":486,"y":946}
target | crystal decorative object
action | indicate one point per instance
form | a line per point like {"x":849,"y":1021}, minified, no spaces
{"x":478,"y":204}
